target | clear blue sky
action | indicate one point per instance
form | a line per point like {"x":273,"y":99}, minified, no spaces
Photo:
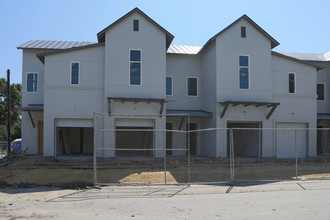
{"x":299,"y":26}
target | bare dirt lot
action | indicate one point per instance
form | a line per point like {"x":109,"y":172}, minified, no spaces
{"x":38,"y":171}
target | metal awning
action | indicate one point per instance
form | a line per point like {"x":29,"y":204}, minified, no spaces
{"x":136,"y":100}
{"x":323,"y":116}
{"x":271,"y":105}
{"x":32,"y":108}
{"x":188,"y":114}
{"x":191,"y":113}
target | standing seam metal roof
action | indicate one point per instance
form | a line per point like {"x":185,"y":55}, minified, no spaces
{"x":53,"y":44}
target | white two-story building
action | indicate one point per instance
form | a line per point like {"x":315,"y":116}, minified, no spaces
{"x":135,"y":76}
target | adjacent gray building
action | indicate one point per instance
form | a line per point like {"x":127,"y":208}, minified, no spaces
{"x":135,"y":75}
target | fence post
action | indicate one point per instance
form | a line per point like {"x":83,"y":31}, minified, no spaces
{"x":165,"y":152}
{"x":231,"y":156}
{"x":94,"y":150}
{"x":188,"y":137}
{"x":296,"y":151}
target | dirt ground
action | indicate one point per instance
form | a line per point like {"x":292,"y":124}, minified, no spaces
{"x":38,"y":171}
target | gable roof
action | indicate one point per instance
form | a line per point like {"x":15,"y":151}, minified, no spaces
{"x":318,"y":67}
{"x":274,"y":42}
{"x":169,"y":36}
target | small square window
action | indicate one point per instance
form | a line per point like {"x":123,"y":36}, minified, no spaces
{"x":135,"y":25}
{"x":243,"y":32}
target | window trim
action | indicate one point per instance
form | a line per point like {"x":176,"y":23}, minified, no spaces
{"x":71,"y":62}
{"x":171,"y":86}
{"x":26,"y":77}
{"x":194,"y":77}
{"x":324,"y":89}
{"x":249,"y":76}
{"x":295,"y":82}
{"x":129,"y":66}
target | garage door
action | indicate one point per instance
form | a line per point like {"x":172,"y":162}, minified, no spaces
{"x":285,"y":140}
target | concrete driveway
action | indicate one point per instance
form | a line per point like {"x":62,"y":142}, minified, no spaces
{"x":260,"y":200}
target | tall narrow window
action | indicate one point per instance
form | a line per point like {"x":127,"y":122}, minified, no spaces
{"x":320,"y":91}
{"x":192,"y":86}
{"x":32,"y":82}
{"x":292,"y":83}
{"x":243,"y":32}
{"x":135,"y":25}
{"x":135,"y":67}
{"x":74,"y":73}
{"x":244,"y":72}
{"x":169,"y":85}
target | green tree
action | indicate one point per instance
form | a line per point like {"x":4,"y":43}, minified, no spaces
{"x":15,"y":92}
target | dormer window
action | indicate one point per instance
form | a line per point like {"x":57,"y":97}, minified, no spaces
{"x":135,"y":25}
{"x":243,"y":32}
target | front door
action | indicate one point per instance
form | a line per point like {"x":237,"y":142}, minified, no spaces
{"x":40,"y":137}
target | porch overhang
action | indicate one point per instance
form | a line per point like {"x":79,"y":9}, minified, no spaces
{"x":136,"y":100}
{"x":323,"y":116}
{"x":272,"y":105}
{"x":32,"y":108}
{"x":188,"y":113}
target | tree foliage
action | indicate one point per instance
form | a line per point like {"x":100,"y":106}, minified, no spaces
{"x":15,"y":93}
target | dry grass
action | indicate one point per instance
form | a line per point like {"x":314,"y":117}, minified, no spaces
{"x":15,"y":174}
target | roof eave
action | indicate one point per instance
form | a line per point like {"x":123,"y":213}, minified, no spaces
{"x":41,"y":56}
{"x":318,"y":67}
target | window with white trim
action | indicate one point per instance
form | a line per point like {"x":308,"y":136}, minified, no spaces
{"x":292,"y":83}
{"x":192,"y":86}
{"x":244,"y":72}
{"x":135,"y":63}
{"x":169,"y":85}
{"x":75,"y":73}
{"x":321,"y":91}
{"x":32,"y":82}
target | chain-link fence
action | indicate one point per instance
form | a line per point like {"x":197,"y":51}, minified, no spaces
{"x":131,"y":154}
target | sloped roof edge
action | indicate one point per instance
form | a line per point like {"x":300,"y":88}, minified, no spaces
{"x":318,"y":67}
{"x":274,"y":42}
{"x":169,"y":36}
{"x":41,"y":56}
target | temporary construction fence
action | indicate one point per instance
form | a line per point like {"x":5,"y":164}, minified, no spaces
{"x":143,"y":155}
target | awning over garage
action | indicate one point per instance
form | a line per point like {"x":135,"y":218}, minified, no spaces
{"x":136,"y":100}
{"x":226,"y":104}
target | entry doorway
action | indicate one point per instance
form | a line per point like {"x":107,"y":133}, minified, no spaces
{"x":169,"y":138}
{"x":40,"y":137}
{"x":193,"y":138}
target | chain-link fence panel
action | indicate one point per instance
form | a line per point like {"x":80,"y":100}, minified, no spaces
{"x":316,"y":164}
{"x":205,"y":165}
{"x":143,"y":155}
{"x":263,"y":154}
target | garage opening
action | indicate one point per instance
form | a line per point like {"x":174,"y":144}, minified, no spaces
{"x":74,"y":141}
{"x":135,"y":141}
{"x":247,"y":142}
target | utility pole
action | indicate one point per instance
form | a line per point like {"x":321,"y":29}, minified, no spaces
{"x":8,"y":112}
